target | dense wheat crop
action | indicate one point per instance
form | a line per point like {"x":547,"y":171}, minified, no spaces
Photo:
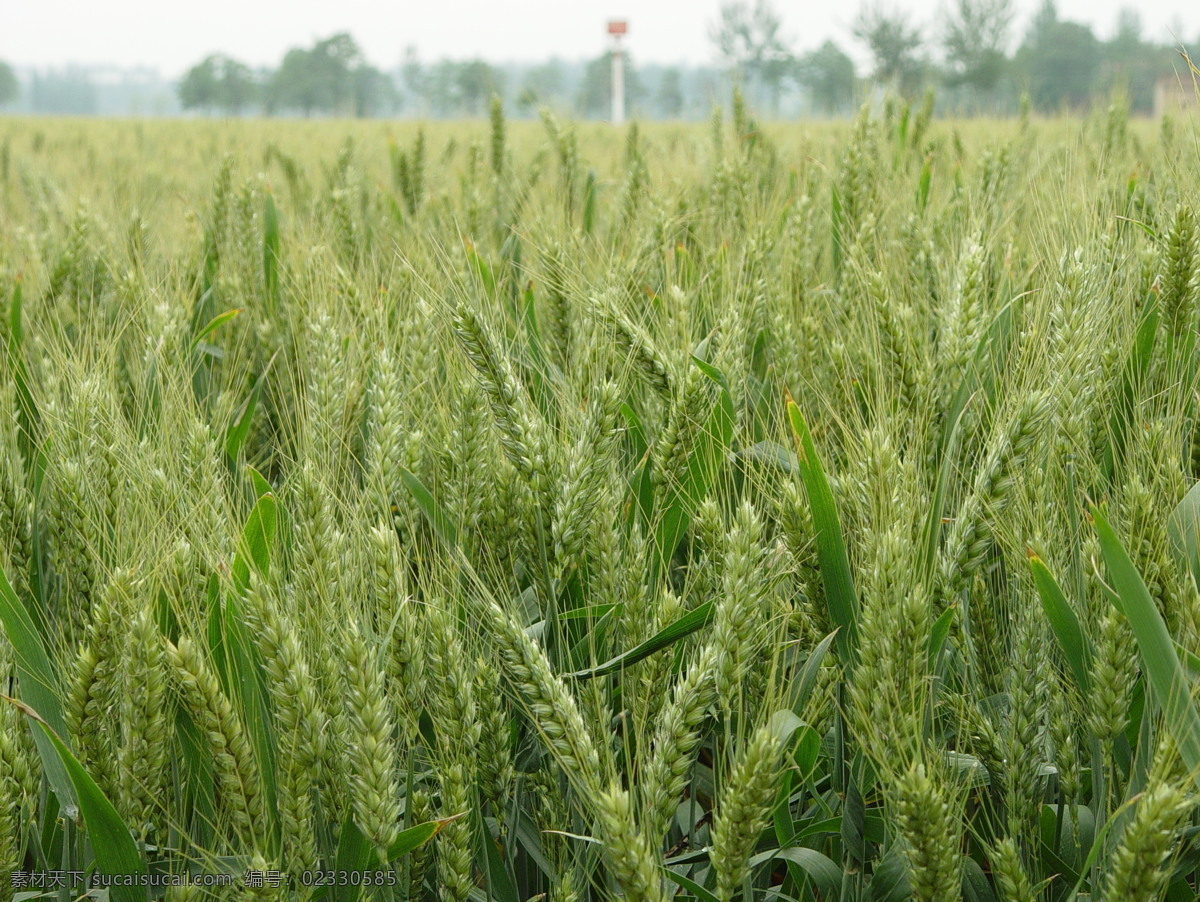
{"x":541,"y":511}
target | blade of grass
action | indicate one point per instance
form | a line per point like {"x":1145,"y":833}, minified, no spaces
{"x":668,"y":635}
{"x":38,"y":686}
{"x":1159,"y":661}
{"x":831,"y":547}
{"x":113,"y":847}
{"x":1063,"y":623}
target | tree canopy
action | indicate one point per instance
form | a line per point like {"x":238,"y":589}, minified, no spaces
{"x":828,"y":74}
{"x":219,"y":83}
{"x":10,"y":89}
{"x":975,"y":36}
{"x":750,"y":41}
{"x":893,"y":41}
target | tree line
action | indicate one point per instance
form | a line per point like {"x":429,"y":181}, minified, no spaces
{"x":966,"y":52}
{"x":330,"y":77}
{"x":971,"y":52}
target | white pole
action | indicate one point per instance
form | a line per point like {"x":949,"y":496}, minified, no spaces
{"x":618,"y":82}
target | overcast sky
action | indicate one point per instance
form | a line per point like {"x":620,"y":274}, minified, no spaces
{"x":171,"y":35}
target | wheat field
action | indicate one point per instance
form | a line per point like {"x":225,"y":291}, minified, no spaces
{"x":547,"y":511}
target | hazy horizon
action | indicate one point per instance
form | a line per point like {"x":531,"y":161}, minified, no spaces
{"x":145,"y":33}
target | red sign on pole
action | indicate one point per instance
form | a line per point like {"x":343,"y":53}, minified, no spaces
{"x":618,"y":26}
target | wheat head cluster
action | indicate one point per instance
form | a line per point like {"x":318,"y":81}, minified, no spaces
{"x":547,"y":511}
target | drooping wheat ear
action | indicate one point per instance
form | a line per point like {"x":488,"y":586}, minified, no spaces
{"x":237,"y":774}
{"x":931,"y":828}
{"x":586,"y":467}
{"x":553,"y":709}
{"x":631,"y":855}
{"x":510,"y":412}
{"x":371,"y":747}
{"x":147,"y":729}
{"x":636,"y":345}
{"x":299,"y":724}
{"x":1011,"y":877}
{"x":743,"y":811}
{"x":1138,"y":872}
{"x":970,"y":533}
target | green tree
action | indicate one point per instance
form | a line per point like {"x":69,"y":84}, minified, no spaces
{"x":330,"y":77}
{"x":750,"y":42}
{"x":294,"y":86}
{"x":893,"y":42}
{"x":442,"y":89}
{"x":239,"y":89}
{"x":198,"y":88}
{"x":412,"y":72}
{"x":828,"y":73}
{"x":1059,"y":61}
{"x":335,"y":61}
{"x":374,"y":92}
{"x":218,"y":83}
{"x":541,"y":85}
{"x":69,"y":92}
{"x":595,"y":91}
{"x":477,"y":82}
{"x":1132,"y":64}
{"x":669,"y":97}
{"x":10,"y":89}
{"x":975,"y":35}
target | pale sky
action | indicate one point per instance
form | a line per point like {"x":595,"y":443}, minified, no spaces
{"x":171,"y":35}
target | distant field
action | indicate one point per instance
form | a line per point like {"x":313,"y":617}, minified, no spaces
{"x":520,"y":511}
